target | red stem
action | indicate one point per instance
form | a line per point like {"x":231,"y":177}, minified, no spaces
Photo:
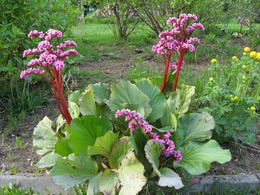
{"x":166,"y":69}
{"x":56,"y":99}
{"x":58,"y":83}
{"x":178,"y":69}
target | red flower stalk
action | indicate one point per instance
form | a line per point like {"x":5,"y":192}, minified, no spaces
{"x":176,"y":40}
{"x":51,"y":61}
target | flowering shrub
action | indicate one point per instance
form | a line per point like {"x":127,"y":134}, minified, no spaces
{"x":97,"y":146}
{"x":52,"y":61}
{"x":178,"y":39}
{"x":231,"y":94}
{"x":100,"y":147}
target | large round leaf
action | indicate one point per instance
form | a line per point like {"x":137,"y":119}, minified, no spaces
{"x":87,"y":104}
{"x":131,"y":175}
{"x":157,"y":99}
{"x":120,"y":149}
{"x":103,"y":145}
{"x":85,"y":130}
{"x":44,"y":137}
{"x":169,"y":178}
{"x":75,"y":170}
{"x":194,"y":127}
{"x":196,"y":158}
{"x":101,"y":92}
{"x":127,"y":95}
{"x":180,"y":100}
{"x":153,"y":150}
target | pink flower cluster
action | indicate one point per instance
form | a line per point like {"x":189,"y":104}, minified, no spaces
{"x":174,"y":64}
{"x":49,"y":56}
{"x":137,"y":121}
{"x":178,"y":38}
{"x":25,"y":73}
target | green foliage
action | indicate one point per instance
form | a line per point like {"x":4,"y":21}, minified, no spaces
{"x":228,"y":92}
{"x":100,"y":151}
{"x":12,"y":190}
{"x":198,"y":156}
{"x":17,"y":18}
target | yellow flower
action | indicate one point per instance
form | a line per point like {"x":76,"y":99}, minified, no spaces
{"x":211,"y":79}
{"x":253,"y":54}
{"x":258,"y":55}
{"x":214,"y":61}
{"x":234,"y":58}
{"x":253,"y":108}
{"x":244,"y":78}
{"x":247,"y":49}
{"x":244,"y":53}
{"x":244,"y":67}
{"x":235,"y":98}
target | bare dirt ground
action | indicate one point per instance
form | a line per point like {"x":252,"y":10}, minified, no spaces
{"x":245,"y":159}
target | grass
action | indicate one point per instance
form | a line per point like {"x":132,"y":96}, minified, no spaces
{"x":236,"y":28}
{"x":101,"y":35}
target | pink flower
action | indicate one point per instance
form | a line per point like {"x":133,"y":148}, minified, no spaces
{"x":31,"y":71}
{"x":30,"y":52}
{"x":34,"y":62}
{"x":44,"y":45}
{"x":137,"y":121}
{"x":35,"y":33}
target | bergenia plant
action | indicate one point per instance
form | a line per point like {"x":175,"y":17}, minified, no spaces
{"x":51,"y":61}
{"x":178,"y":39}
{"x":137,"y":121}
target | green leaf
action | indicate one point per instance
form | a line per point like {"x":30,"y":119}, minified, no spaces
{"x":48,"y":160}
{"x":44,"y":137}
{"x":119,"y":151}
{"x":195,"y":127}
{"x":105,"y":182}
{"x":127,"y":95}
{"x":74,"y":110}
{"x":153,"y":150}
{"x":170,"y":178}
{"x":131,"y":175}
{"x":103,"y":145}
{"x":75,"y":97}
{"x":62,"y":147}
{"x":138,"y":140}
{"x":196,"y":158}
{"x":101,"y":92}
{"x":180,"y":100}
{"x":85,"y":130}
{"x":157,"y":99}
{"x":60,"y":122}
{"x":87,"y":104}
{"x":75,"y":170}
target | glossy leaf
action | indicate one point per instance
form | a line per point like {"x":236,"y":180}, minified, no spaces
{"x":157,"y":99}
{"x":103,"y":145}
{"x":196,"y":158}
{"x":131,"y":175}
{"x":87,"y":104}
{"x":195,"y":127}
{"x":120,"y":149}
{"x":44,"y":137}
{"x":169,"y":178}
{"x":48,"y":160}
{"x":180,"y":100}
{"x":127,"y":95}
{"x":101,"y":92}
{"x":85,"y":130}
{"x":153,"y":150}
{"x":75,"y":170}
